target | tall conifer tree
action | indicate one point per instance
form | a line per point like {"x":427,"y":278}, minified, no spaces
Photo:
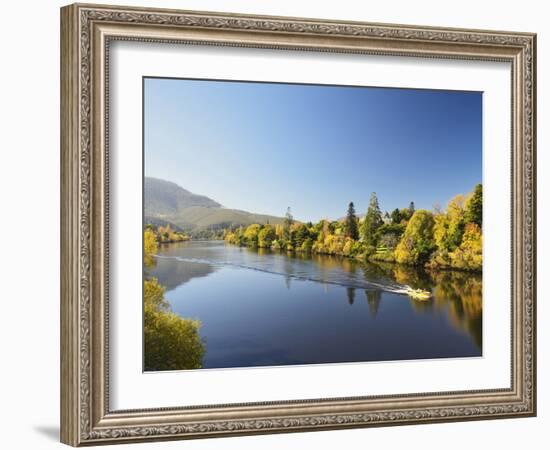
{"x":373,"y":221}
{"x":352,"y":230}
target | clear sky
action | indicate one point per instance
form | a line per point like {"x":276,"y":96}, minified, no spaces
{"x":261,"y":147}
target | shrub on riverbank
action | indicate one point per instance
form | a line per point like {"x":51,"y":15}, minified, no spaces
{"x":170,"y":341}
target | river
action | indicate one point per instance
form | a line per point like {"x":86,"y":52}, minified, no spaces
{"x":264,"y":308}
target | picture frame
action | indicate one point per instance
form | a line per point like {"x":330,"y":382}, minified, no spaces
{"x":87,"y":32}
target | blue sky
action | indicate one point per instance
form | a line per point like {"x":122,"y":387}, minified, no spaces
{"x":261,"y":147}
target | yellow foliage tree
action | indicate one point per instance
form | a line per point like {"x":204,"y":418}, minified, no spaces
{"x":251,"y":234}
{"x":150,"y":247}
{"x":150,"y":244}
{"x":170,"y":341}
{"x":441,"y":226}
{"x":469,"y":255}
{"x":348,"y":246}
{"x":455,"y":217}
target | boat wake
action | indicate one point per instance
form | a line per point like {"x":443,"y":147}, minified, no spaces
{"x":393,"y":288}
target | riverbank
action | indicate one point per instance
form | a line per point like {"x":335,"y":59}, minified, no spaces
{"x":374,"y":258}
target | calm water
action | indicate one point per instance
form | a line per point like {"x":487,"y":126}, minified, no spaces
{"x":262,"y":308}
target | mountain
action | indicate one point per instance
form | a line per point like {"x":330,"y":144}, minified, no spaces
{"x":166,"y":198}
{"x":166,"y":202}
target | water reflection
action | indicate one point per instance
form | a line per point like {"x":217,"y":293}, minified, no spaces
{"x":351,"y":295}
{"x":172,"y":273}
{"x":463,"y":297}
{"x":373,"y":300}
{"x":402,"y":327}
{"x":457,"y":293}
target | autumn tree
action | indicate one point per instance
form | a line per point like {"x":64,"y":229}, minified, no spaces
{"x":456,"y":222}
{"x":279,"y":231}
{"x":457,"y":235}
{"x":170,"y":341}
{"x":441,"y":227}
{"x":469,"y":255}
{"x":150,"y":245}
{"x":251,"y":235}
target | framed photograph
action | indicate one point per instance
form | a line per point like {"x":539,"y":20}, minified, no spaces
{"x":275,"y":224}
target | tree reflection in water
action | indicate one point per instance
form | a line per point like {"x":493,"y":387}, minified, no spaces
{"x":462,"y":295}
{"x":351,"y":295}
{"x":373,"y":299}
{"x":457,"y":293}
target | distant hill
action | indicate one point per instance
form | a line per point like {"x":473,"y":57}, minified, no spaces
{"x":166,"y":198}
{"x":166,"y":202}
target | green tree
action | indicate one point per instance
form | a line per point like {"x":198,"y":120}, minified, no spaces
{"x":266,"y":236}
{"x":417,"y":242}
{"x":474,"y":207}
{"x":307,"y":245}
{"x":351,"y":227}
{"x":301,"y":233}
{"x":396,"y":216}
{"x":373,"y":221}
{"x":405,"y":214}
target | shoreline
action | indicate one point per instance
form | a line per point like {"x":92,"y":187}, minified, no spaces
{"x":351,"y":258}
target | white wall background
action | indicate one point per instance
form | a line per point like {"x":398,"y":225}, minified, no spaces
{"x":29,"y":226}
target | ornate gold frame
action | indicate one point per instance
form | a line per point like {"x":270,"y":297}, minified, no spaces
{"x":86,"y":31}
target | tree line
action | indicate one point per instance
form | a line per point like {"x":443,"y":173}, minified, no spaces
{"x":438,"y":239}
{"x":165,"y":234}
